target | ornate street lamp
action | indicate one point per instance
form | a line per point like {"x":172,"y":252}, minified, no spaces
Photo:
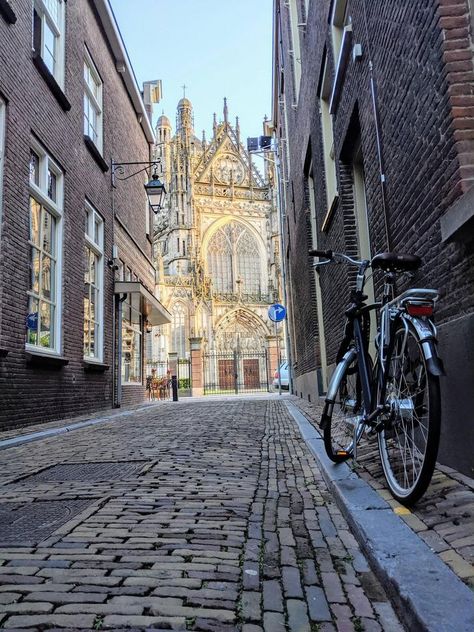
{"x":155,"y":189}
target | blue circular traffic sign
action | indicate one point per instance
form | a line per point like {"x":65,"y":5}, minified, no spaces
{"x":276,"y":313}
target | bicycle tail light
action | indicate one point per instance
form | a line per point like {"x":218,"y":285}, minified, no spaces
{"x":420,"y":309}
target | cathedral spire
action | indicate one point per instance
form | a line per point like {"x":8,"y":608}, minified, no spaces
{"x":214,"y":124}
{"x":237,"y":129}
{"x":226,"y":112}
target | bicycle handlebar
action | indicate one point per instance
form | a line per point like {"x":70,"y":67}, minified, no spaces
{"x":330,"y":256}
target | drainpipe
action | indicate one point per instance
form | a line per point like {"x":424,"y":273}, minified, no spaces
{"x":375,"y":109}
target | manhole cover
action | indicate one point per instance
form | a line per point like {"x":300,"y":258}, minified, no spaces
{"x":84,"y":472}
{"x":27,"y":525}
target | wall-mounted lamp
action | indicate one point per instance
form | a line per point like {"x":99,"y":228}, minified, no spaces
{"x":155,"y":189}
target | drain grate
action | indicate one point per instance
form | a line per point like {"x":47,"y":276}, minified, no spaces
{"x":27,"y":525}
{"x":84,"y":472}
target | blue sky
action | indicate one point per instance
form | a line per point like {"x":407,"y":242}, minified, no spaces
{"x":217,"y":48}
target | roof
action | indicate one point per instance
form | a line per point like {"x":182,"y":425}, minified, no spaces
{"x":163,"y":121}
{"x":123,"y":65}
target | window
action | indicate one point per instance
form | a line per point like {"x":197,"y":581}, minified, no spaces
{"x":48,"y":35}
{"x":340,"y":19}
{"x":328,"y":144}
{"x":233,"y":260}
{"x":317,"y":281}
{"x":45,"y":251}
{"x":93,"y":284}
{"x":295,"y":51}
{"x":131,"y":340}
{"x":2,"y":153}
{"x":179,"y":330}
{"x":92,"y":102}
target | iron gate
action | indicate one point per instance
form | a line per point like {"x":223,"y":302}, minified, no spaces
{"x":183,"y":370}
{"x":235,"y":372}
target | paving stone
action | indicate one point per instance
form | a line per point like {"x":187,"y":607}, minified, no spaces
{"x":317,"y":604}
{"x":297,"y":616}
{"x":292,"y":582}
{"x":51,"y":620}
{"x":251,"y":605}
{"x":274,"y":622}
{"x":272,"y":596}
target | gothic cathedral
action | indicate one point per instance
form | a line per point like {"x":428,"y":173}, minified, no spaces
{"x":217,"y":241}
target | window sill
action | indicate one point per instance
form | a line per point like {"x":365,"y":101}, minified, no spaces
{"x":95,"y":367}
{"x":42,"y":358}
{"x":51,"y":81}
{"x":458,"y":220}
{"x":7,"y":12}
{"x":91,"y":146}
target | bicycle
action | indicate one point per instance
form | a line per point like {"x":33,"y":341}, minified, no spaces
{"x":396,"y":395}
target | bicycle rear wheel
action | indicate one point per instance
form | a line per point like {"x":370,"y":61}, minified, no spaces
{"x":409,"y":442}
{"x":344,"y":413}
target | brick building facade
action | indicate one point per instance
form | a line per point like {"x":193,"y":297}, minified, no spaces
{"x":374,"y":120}
{"x":69,"y":106}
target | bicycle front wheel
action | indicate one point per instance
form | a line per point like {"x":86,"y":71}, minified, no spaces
{"x":343,"y":415}
{"x":409,"y":442}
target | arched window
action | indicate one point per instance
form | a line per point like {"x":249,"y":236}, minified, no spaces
{"x":178,"y":330}
{"x":233,"y":255}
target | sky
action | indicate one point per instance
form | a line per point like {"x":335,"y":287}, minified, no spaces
{"x":217,"y":48}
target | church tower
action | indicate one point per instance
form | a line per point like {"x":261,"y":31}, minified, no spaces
{"x":217,"y":242}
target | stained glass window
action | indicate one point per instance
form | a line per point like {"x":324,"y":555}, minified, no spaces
{"x":233,"y":256}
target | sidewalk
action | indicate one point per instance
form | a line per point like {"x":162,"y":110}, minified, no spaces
{"x":443,"y":518}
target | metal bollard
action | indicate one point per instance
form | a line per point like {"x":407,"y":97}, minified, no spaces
{"x":174,"y":387}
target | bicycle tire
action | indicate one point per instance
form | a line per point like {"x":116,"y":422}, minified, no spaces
{"x":412,"y":427}
{"x":338,"y":416}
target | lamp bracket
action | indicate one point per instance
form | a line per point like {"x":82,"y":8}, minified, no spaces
{"x":119,"y":169}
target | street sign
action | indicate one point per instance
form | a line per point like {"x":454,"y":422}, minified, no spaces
{"x":276,"y":313}
{"x":32,"y":321}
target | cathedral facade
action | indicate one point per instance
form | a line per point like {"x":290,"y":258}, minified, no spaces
{"x":216,"y":242}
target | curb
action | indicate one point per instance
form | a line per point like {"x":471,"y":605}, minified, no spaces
{"x":51,"y":432}
{"x":426,"y":593}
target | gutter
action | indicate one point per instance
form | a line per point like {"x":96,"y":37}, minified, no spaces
{"x":123,"y":65}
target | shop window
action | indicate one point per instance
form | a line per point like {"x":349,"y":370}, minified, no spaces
{"x":131,"y":340}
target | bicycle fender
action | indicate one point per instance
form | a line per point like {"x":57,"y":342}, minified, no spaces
{"x":336,"y":376}
{"x":427,"y":339}
{"x":434,"y":364}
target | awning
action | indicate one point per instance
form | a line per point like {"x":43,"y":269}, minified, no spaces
{"x":151,"y":308}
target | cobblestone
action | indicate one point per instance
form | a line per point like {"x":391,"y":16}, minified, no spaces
{"x":228,"y":528}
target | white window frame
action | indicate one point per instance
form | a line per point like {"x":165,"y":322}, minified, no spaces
{"x":328,"y":144}
{"x":97,"y":247}
{"x":3,"y":109}
{"x":40,"y":193}
{"x":295,"y":52}
{"x":95,"y":102}
{"x":57,"y":27}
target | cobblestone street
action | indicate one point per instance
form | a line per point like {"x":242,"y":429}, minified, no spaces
{"x":217,"y":519}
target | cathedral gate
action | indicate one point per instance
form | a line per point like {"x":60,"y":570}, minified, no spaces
{"x":236,"y":372}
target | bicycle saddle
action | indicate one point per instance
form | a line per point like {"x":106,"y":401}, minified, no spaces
{"x":393,"y":262}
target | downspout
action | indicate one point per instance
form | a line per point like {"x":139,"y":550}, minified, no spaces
{"x":375,"y":109}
